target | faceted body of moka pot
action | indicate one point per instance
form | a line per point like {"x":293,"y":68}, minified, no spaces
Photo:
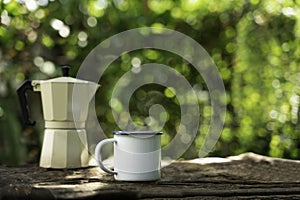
{"x":59,"y":107}
{"x":64,"y":148}
{"x":65,"y":114}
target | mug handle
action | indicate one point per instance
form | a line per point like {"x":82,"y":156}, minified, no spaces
{"x":99,"y":157}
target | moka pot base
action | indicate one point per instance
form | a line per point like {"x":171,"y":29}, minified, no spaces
{"x":64,"y":148}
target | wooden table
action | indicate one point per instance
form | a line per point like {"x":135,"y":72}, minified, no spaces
{"x":247,"y":176}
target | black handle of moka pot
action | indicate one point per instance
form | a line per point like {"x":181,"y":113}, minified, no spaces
{"x":26,"y":85}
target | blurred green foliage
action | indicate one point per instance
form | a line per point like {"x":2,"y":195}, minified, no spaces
{"x":255,"y":45}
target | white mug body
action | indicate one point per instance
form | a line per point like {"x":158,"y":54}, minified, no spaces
{"x":137,"y":155}
{"x":137,"y":158}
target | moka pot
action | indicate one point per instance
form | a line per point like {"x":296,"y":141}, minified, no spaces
{"x":65,"y":141}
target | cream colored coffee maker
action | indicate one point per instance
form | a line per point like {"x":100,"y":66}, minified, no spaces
{"x":65,"y":140}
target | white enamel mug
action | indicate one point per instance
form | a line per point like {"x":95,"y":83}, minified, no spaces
{"x":137,"y":155}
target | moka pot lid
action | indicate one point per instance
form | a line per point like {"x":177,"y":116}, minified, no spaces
{"x":67,"y":79}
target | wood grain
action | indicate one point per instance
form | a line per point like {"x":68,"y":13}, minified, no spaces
{"x":247,"y":176}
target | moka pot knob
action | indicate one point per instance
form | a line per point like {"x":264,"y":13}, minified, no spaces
{"x":65,"y":70}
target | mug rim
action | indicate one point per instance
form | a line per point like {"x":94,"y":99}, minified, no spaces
{"x":137,"y":132}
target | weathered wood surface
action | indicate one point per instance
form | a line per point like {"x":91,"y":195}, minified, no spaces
{"x":248,"y":176}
